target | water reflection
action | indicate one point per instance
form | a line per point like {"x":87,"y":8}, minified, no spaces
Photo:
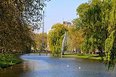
{"x":14,"y":71}
{"x":43,"y":66}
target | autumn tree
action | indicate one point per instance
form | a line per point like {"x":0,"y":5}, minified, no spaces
{"x":41,"y":41}
{"x":14,"y":33}
{"x":75,"y":38}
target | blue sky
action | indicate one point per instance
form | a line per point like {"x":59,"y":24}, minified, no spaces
{"x":58,"y":11}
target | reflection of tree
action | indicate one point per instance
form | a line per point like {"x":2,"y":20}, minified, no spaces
{"x":14,"y":71}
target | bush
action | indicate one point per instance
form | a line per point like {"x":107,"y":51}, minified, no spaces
{"x":8,"y":60}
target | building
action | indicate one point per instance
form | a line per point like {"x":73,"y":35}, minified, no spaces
{"x":67,"y":23}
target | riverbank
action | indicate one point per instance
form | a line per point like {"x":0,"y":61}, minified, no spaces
{"x":83,"y":56}
{"x":7,"y":60}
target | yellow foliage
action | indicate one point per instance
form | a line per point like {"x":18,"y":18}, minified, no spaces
{"x":75,"y":37}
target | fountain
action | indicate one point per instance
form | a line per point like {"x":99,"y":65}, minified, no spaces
{"x":64,"y":44}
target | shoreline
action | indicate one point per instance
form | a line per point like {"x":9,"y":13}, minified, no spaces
{"x":7,"y":60}
{"x":87,"y":56}
{"x":14,"y":59}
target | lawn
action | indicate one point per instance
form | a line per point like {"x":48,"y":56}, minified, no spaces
{"x":7,"y":60}
{"x":83,"y":56}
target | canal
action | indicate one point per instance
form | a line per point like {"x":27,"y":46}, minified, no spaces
{"x":35,"y":65}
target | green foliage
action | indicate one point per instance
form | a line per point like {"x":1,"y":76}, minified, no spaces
{"x":75,"y":37}
{"x":85,"y":47}
{"x":8,"y":60}
{"x":41,"y":41}
{"x":109,"y":44}
{"x":15,"y":35}
{"x":55,"y":37}
{"x":33,"y":12}
{"x":91,"y":23}
{"x":97,"y":19}
{"x":81,"y":12}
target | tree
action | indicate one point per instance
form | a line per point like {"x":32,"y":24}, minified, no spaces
{"x":33,"y":13}
{"x":55,"y":38}
{"x":14,"y":34}
{"x":110,"y":43}
{"x":97,"y":21}
{"x":94,"y":31}
{"x":41,"y":41}
{"x":82,"y":9}
{"x":75,"y":38}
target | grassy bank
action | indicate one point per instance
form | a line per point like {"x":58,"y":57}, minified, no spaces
{"x":83,"y":56}
{"x":7,"y":60}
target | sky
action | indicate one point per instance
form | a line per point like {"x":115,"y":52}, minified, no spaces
{"x":58,"y":11}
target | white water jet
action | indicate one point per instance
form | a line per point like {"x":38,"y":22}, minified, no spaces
{"x":63,"y":43}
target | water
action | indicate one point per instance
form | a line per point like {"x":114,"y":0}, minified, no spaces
{"x":45,"y":66}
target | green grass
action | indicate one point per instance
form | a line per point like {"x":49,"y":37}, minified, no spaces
{"x":7,"y":60}
{"x":83,"y":56}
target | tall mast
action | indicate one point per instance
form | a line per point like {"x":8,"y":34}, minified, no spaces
{"x":43,"y":32}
